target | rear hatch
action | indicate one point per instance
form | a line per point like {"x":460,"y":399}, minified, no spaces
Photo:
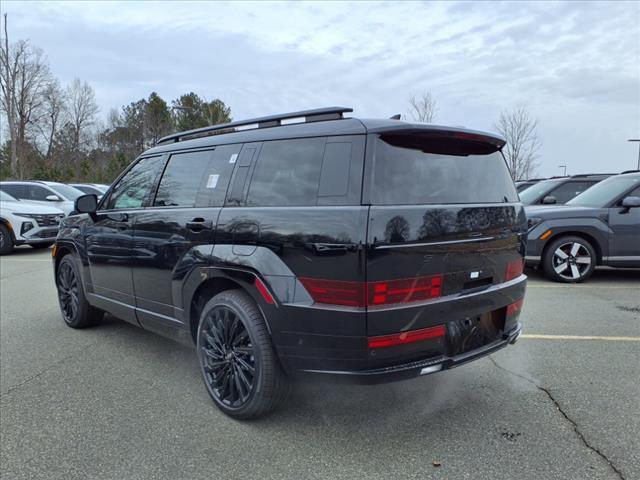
{"x":445,"y":223}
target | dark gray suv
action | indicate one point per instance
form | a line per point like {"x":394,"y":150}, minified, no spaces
{"x":601,"y":226}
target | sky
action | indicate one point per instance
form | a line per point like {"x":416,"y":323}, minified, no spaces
{"x":576,"y":66}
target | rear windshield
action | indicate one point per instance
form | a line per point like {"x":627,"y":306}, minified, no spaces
{"x":410,"y":172}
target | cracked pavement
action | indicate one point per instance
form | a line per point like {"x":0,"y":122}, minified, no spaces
{"x":116,"y":402}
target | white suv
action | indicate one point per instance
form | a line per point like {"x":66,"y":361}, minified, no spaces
{"x":26,"y":223}
{"x":52,"y":194}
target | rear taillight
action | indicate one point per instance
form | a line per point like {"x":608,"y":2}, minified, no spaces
{"x":404,"y":291}
{"x":515,"y":307}
{"x":335,"y":292}
{"x":403,"y":338}
{"x":362,"y":294}
{"x":514,"y":269}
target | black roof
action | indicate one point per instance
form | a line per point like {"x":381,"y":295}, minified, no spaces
{"x":314,"y":123}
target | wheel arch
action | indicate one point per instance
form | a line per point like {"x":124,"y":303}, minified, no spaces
{"x":595,"y":243}
{"x":215,"y":281}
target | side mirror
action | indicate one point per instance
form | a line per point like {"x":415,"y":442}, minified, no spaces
{"x":52,"y":198}
{"x":86,"y":204}
{"x":631,"y":202}
{"x":549,"y":200}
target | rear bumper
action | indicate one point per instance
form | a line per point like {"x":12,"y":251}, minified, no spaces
{"x":417,"y":368}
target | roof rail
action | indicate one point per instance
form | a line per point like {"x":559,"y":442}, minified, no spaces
{"x":579,"y":175}
{"x":629,"y":171}
{"x":315,"y":115}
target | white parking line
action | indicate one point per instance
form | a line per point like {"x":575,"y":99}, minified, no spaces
{"x":534,"y":336}
{"x":574,"y":287}
{"x":20,"y":260}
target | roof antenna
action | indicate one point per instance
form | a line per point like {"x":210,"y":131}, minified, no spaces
{"x":395,"y":117}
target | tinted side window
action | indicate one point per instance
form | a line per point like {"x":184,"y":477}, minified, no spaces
{"x":16,"y":191}
{"x":219,"y":172}
{"x":182,"y":178}
{"x":567,"y":191}
{"x":287,"y":173}
{"x":36,"y":192}
{"x":134,"y":188}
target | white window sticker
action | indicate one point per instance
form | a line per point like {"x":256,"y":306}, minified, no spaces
{"x":213,"y":181}
{"x":233,"y":158}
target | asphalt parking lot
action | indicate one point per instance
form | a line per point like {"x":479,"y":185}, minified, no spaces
{"x":116,"y":402}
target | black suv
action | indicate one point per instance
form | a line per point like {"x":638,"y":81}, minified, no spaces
{"x":559,"y":190}
{"x":599,"y":227}
{"x":305,"y":243}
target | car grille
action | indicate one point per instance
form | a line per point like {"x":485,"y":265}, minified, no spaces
{"x":46,"y":220}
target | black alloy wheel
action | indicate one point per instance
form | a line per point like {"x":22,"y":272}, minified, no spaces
{"x":68,"y":292}
{"x":239,"y":365}
{"x":75,"y":309}
{"x":229,"y":360}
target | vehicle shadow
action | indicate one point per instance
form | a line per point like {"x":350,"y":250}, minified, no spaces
{"x":27,"y":251}
{"x":601,"y":275}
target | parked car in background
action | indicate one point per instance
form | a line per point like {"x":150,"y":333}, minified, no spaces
{"x":26,"y":223}
{"x":558,"y":191}
{"x":601,"y":226}
{"x":89,"y":188}
{"x":524,"y":184}
{"x":281,"y":246}
{"x":53,"y":194}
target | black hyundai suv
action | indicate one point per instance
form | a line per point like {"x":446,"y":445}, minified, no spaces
{"x":601,"y":226}
{"x":305,"y":243}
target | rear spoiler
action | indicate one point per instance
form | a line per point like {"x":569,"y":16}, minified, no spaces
{"x":444,"y":140}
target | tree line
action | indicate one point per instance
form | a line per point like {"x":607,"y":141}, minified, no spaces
{"x":54,"y":132}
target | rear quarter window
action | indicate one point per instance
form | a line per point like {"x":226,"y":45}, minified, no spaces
{"x":287,"y":173}
{"x":414,"y":171}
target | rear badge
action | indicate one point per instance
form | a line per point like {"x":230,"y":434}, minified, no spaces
{"x":474,"y":274}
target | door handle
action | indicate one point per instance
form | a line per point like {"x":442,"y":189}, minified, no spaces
{"x":199,"y":224}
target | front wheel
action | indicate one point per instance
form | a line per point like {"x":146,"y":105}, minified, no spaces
{"x":569,"y":259}
{"x":75,"y":309}
{"x":6,"y":242}
{"x":239,"y":365}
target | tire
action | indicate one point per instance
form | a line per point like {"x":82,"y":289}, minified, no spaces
{"x":569,"y":259}
{"x":41,"y":246}
{"x":239,"y":366}
{"x":76,"y":311}
{"x":6,"y":240}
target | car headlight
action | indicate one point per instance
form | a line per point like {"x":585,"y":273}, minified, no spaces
{"x":533,"y":221}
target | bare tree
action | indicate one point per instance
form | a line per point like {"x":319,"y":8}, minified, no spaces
{"x":81,"y":110}
{"x":520,"y":132}
{"x":423,"y":108}
{"x":51,"y":116}
{"x":24,"y":74}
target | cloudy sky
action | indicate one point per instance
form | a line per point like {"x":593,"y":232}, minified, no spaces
{"x":575,"y":65}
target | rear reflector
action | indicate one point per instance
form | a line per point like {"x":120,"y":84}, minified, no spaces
{"x":410,"y":336}
{"x":264,"y":292}
{"x":515,"y":307}
{"x":361,"y":294}
{"x":514,"y":269}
